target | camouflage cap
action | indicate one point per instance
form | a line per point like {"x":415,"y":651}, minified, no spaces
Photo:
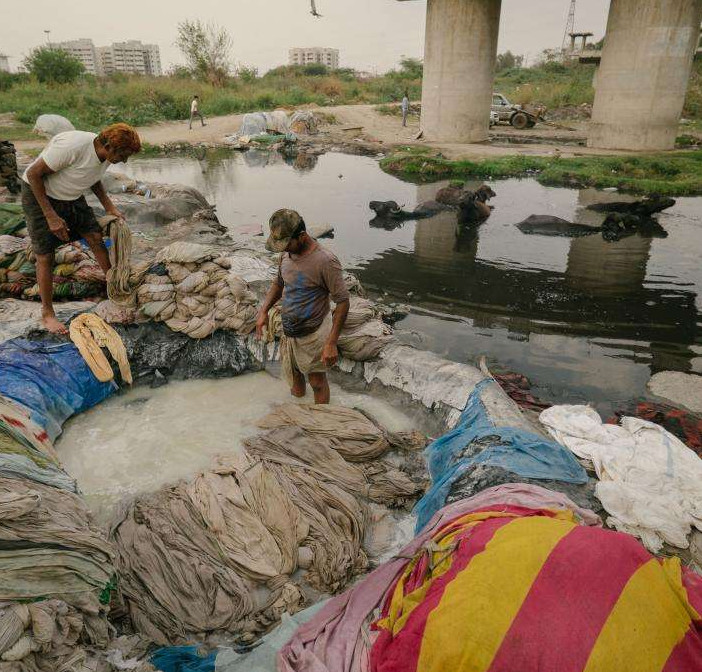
{"x":284,"y":224}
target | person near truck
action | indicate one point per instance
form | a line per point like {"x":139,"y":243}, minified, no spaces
{"x":53,"y":200}
{"x":308,"y":276}
{"x":195,"y":112}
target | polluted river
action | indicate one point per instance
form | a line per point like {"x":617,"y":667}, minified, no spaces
{"x":585,"y":319}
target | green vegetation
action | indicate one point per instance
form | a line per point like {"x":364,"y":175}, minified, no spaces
{"x":677,"y":174}
{"x":92,"y":103}
{"x":53,"y":66}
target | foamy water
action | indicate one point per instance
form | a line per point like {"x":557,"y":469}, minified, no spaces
{"x":145,"y":438}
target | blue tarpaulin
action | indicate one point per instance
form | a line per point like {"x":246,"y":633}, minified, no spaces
{"x":182,"y":659}
{"x":476,"y":439}
{"x":52,"y":380}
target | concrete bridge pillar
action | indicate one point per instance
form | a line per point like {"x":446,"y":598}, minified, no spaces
{"x":642,"y":79}
{"x":459,"y":67}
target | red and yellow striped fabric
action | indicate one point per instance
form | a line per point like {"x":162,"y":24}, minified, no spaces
{"x":519,"y":590}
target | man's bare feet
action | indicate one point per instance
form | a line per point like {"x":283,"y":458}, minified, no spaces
{"x":52,"y":324}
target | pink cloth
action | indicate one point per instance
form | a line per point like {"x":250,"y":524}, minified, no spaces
{"x":333,"y":640}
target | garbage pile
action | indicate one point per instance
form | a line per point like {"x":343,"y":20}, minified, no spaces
{"x":272,"y":127}
{"x":8,"y":167}
{"x":229,"y":552}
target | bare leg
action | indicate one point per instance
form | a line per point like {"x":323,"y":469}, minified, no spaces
{"x":190,"y":123}
{"x":99,"y":250}
{"x":320,"y":386}
{"x":299,"y":387}
{"x":202,"y":119}
{"x":44,"y":265}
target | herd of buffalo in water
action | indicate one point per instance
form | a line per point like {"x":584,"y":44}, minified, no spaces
{"x":622,"y":218}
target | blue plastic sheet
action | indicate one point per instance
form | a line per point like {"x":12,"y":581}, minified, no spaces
{"x":475,"y":440}
{"x":52,"y":380}
{"x":182,"y":659}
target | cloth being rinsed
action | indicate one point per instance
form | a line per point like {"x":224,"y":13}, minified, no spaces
{"x":122,"y":278}
{"x":90,"y":334}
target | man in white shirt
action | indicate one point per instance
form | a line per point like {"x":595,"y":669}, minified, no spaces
{"x":195,"y":112}
{"x":54,"y":204}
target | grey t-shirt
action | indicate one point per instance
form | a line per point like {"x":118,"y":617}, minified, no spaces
{"x":308,"y":282}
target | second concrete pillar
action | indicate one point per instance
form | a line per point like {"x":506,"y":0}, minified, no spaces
{"x":459,"y":68}
{"x":641,"y":83}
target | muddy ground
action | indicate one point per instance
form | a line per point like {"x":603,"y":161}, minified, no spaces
{"x":364,"y":125}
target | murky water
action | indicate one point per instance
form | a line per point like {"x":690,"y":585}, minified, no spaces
{"x":586,"y":319}
{"x":146,"y":438}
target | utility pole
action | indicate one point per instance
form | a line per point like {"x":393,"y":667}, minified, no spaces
{"x":570,"y":26}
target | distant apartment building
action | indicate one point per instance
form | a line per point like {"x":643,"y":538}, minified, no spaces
{"x":4,"y":63}
{"x":132,"y":57}
{"x":84,"y":51}
{"x":324,"y":55}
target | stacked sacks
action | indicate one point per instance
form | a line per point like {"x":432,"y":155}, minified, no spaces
{"x":192,"y":290}
{"x":221,"y":553}
{"x":515,"y":578}
{"x":76,"y":274}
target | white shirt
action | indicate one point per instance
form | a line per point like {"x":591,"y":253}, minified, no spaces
{"x":71,"y":155}
{"x":193,"y":106}
{"x":405,"y":104}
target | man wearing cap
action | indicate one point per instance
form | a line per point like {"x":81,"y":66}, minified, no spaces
{"x":308,"y":276}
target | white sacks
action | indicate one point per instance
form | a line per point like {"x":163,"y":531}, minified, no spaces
{"x":650,"y":482}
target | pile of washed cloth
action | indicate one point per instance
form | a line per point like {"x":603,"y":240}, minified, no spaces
{"x":56,"y":572}
{"x":515,"y":578}
{"x":650,"y":482}
{"x":232,"y":550}
{"x":196,"y":289}
{"x":76,"y":273}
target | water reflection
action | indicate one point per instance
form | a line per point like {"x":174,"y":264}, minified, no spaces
{"x":585,"y":317}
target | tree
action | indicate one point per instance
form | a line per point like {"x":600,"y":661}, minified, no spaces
{"x":206,"y":48}
{"x":411,"y":68}
{"x":53,"y":65}
{"x":507,"y":61}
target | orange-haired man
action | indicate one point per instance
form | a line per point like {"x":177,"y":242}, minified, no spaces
{"x":53,"y":189}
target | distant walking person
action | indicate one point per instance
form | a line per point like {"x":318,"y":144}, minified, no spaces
{"x":195,"y":112}
{"x":405,"y":108}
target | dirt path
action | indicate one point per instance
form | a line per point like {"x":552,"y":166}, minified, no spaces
{"x":363,"y":123}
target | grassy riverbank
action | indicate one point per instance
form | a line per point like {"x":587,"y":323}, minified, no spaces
{"x":91,"y":103}
{"x":678,"y":174}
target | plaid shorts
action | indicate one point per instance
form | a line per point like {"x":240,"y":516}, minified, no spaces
{"x":78,"y":215}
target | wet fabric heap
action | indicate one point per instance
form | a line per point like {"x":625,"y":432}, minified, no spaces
{"x":515,"y":578}
{"x":155,"y":202}
{"x":650,"y":483}
{"x":222,"y":553}
{"x":56,"y":570}
{"x":76,"y":274}
{"x":492,"y":434}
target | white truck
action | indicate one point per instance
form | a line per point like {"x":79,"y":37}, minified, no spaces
{"x":515,"y":115}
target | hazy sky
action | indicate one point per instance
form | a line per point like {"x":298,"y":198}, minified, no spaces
{"x":370,"y":34}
